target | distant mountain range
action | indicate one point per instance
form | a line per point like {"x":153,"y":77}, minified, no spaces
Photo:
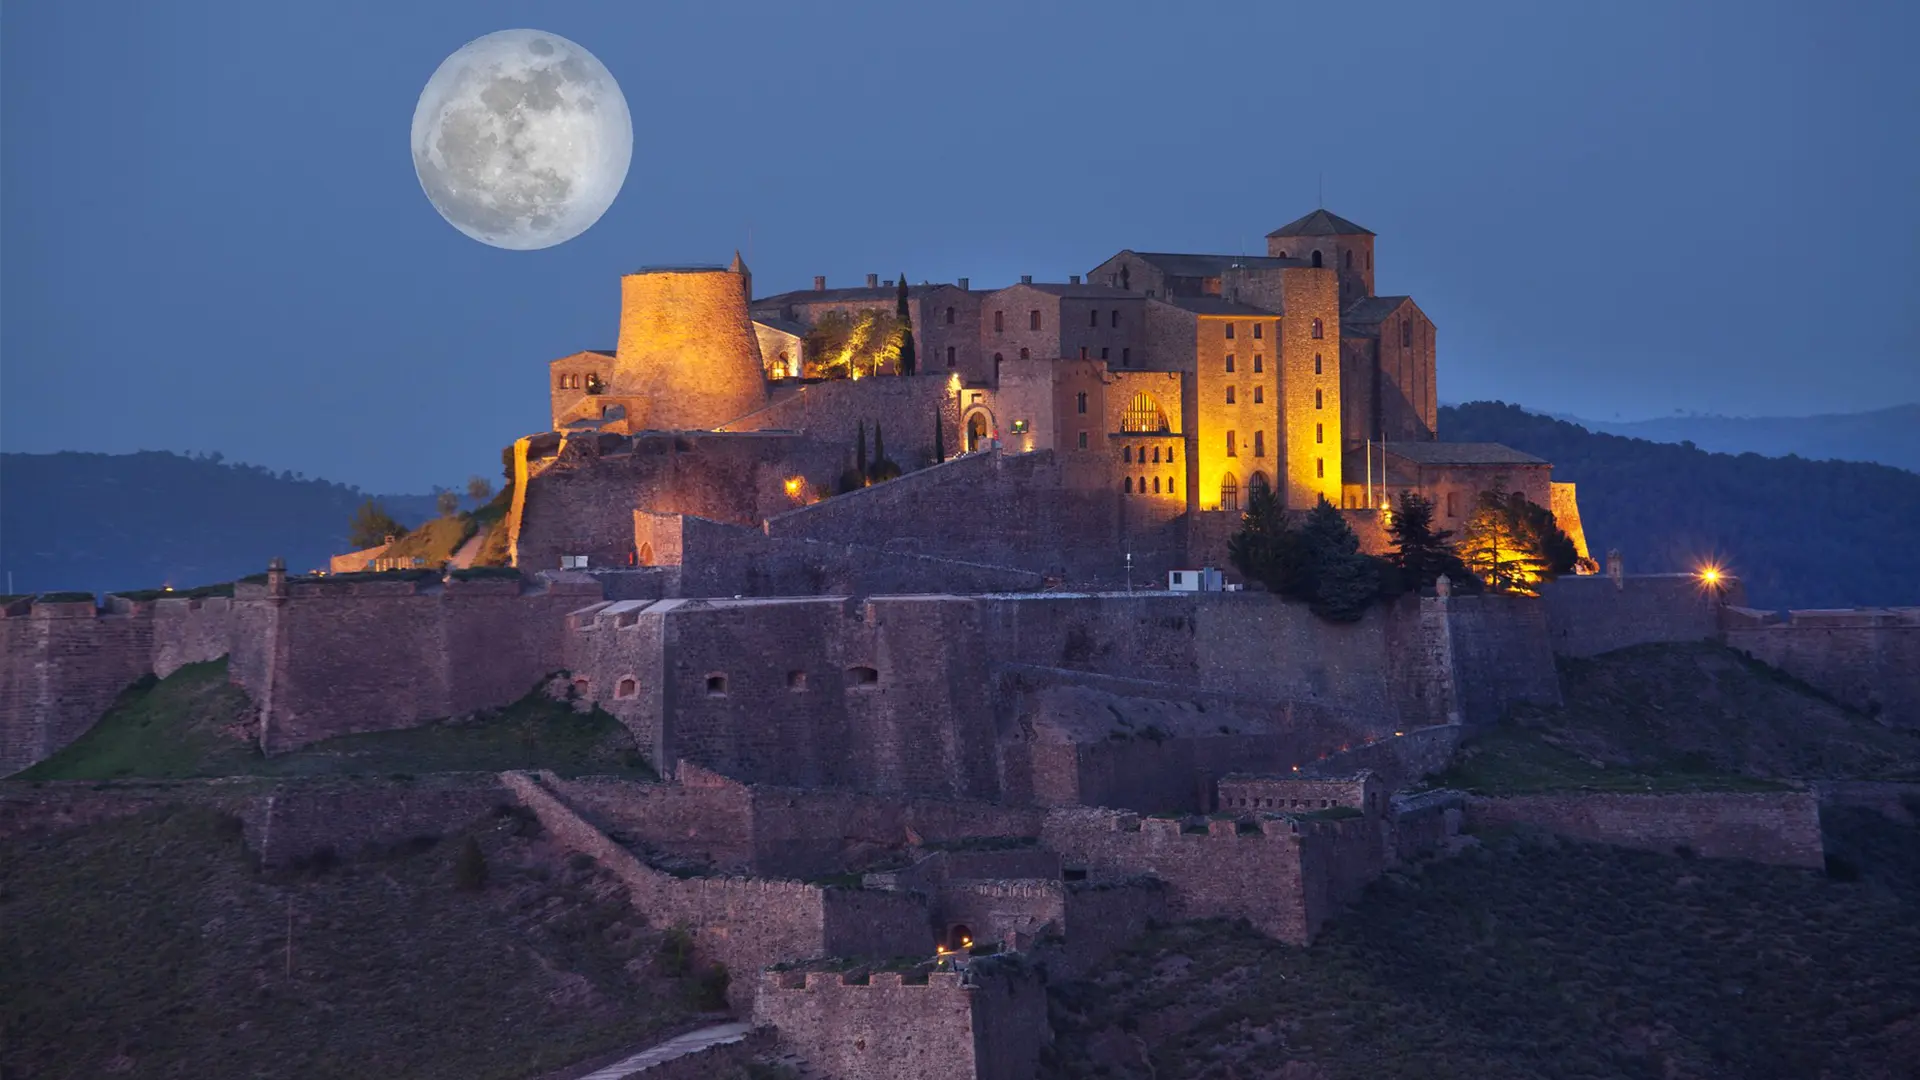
{"x":1800,"y":533}
{"x":94,"y":522}
{"x":1888,"y":436}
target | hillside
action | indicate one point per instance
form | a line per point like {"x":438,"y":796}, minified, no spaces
{"x":1801,"y":534}
{"x":150,"y":946}
{"x":94,"y":522}
{"x":1886,"y":436}
{"x":1527,"y":957}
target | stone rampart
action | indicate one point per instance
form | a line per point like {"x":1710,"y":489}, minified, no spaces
{"x":190,"y":631}
{"x":728,"y":560}
{"x":1104,"y":917}
{"x":745,"y":924}
{"x":833,"y":411}
{"x":1399,"y":760}
{"x":1781,"y":828}
{"x":1424,"y":822}
{"x":1868,"y":658}
{"x":1595,"y":613}
{"x":989,"y":1023}
{"x":710,"y":823}
{"x":1502,"y":654}
{"x":61,"y":665}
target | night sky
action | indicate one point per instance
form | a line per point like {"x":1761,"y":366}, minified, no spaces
{"x":213,"y":238}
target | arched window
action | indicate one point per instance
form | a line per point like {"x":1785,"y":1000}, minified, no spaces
{"x":1169,"y":453}
{"x":1316,"y":363}
{"x":862,"y":676}
{"x":1229,"y":395}
{"x":1259,"y":444}
{"x":1143,"y":485}
{"x":1229,"y":493}
{"x":1318,"y":330}
{"x":996,"y":358}
{"x":1169,"y":485}
{"x":1258,"y":485}
{"x":1156,"y":485}
{"x":1126,"y":454}
{"x":949,"y":356}
{"x":626,"y":687}
{"x":1144,"y":414}
{"x":1232,"y":451}
{"x":949,"y":316}
{"x":1316,"y":256}
{"x":646,"y":554}
{"x":1129,"y":485}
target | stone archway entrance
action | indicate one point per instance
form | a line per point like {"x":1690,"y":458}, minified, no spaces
{"x":959,"y":938}
{"x":976,"y":431}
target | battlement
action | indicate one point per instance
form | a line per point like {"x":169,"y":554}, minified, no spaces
{"x":1824,"y":618}
{"x":803,"y":979}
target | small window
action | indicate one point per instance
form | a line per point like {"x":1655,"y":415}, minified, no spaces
{"x":1259,"y":444}
{"x":1320,"y":468}
{"x":1116,"y":317}
{"x":1319,"y":433}
{"x":1126,"y":356}
{"x":1232,"y":451}
{"x":716,"y":686}
{"x":1229,"y":395}
{"x":1126,"y":455}
{"x":1143,"y":485}
{"x":949,"y":316}
{"x":1318,"y":330}
{"x":1229,"y":331}
{"x":999,"y":321}
{"x":1259,"y":363}
{"x":949,"y":356}
{"x":1083,"y":440}
{"x":582,"y":688}
{"x":1316,"y":262}
{"x":1156,"y":455}
{"x":1256,"y":331}
{"x":1229,"y":361}
{"x":562,"y":384}
{"x":1259,"y":395}
{"x":1349,"y":260}
{"x":1127,"y":485}
{"x":1316,"y":363}
{"x":1023,"y":354}
{"x":977,"y":395}
{"x":1452,"y":507}
{"x":626,"y":687}
{"x":1406,"y":333}
{"x":1080,"y":403}
{"x":1093,"y":317}
{"x":1319,"y":399}
{"x":862,"y":676}
{"x":1033,"y":319}
{"x":1156,"y":485}
{"x":1169,"y":453}
{"x":1169,"y":485}
{"x":797,"y":680}
{"x":1103,"y":352}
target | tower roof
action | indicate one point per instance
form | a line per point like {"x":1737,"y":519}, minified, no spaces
{"x":1321,"y":223}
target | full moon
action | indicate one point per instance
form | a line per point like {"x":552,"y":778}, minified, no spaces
{"x":522,"y":139}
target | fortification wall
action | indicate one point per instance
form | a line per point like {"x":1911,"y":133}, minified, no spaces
{"x":1337,"y":860}
{"x":1591,"y":614}
{"x":1009,"y":912}
{"x":1399,"y":760}
{"x":991,"y":1026}
{"x":803,"y":832}
{"x":996,"y":508}
{"x":728,"y":560}
{"x":1781,"y":828}
{"x":335,"y":658}
{"x":711,"y":822}
{"x":687,"y":348}
{"x":906,"y":410}
{"x":190,"y":631}
{"x":747,"y":924}
{"x":1103,"y":918}
{"x":1868,"y":658}
{"x":1502,"y":654}
{"x":1425,"y":822}
{"x":64,"y":663}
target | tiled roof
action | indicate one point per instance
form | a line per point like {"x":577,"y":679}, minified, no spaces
{"x":888,"y":293}
{"x":1321,"y":223}
{"x":1363,"y":317}
{"x":1214,"y":305}
{"x":1178,"y":264}
{"x":1460,"y":453}
{"x":785,"y":326}
{"x":608,"y":353}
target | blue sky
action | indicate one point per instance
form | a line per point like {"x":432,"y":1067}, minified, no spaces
{"x":211,"y":236}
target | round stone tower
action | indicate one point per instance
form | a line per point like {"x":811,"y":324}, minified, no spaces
{"x":687,"y":358}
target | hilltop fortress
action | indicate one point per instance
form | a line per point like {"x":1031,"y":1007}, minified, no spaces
{"x":969,"y":688}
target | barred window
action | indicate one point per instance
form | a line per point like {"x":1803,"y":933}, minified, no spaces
{"x":1144,"y":414}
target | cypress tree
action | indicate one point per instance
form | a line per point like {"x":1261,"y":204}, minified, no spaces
{"x":879,"y":445}
{"x":909,"y":358}
{"x":860,"y":449}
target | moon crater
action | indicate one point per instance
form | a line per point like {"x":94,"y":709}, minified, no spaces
{"x":522,"y":139}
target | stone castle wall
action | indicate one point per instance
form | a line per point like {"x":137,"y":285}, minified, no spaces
{"x":832,"y":412}
{"x":1502,"y":654}
{"x":990,"y":1026}
{"x":190,"y":631}
{"x":726,"y":560}
{"x":1591,"y":614}
{"x":687,"y":352}
{"x":1868,"y":658}
{"x":1781,"y":828}
{"x":61,"y":665}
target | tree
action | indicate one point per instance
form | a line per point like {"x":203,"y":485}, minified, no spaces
{"x":908,"y":360}
{"x":884,"y":468}
{"x":1421,"y":552}
{"x":372,"y":525}
{"x":1512,"y":543}
{"x":447,"y":503}
{"x":1345,"y":582}
{"x":860,"y":450}
{"x":1268,"y":549}
{"x":479,"y":488}
{"x":939,"y":438}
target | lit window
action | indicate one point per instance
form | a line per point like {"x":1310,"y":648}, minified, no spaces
{"x":1318,"y":330}
{"x":1033,"y":319}
{"x":1080,"y":402}
{"x":1229,"y":395}
{"x":1231,"y":450}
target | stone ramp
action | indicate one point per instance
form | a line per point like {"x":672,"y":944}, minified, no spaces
{"x":463,"y":559}
{"x":658,"y":1060}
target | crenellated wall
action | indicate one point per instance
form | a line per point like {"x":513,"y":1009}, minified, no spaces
{"x":1770,"y":827}
{"x":1868,"y":658}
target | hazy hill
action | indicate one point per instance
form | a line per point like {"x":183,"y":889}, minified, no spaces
{"x":1800,"y":533}
{"x":1887,"y":436}
{"x":130,"y":521}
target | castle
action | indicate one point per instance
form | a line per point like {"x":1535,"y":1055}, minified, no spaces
{"x":936,"y":685}
{"x":1131,"y":415}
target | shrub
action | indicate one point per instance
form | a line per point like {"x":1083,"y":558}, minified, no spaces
{"x":674,"y":957}
{"x":708,"y":990}
{"x":470,"y":867}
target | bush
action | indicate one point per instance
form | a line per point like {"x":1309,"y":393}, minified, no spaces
{"x":708,"y":990}
{"x":470,"y":867}
{"x":674,"y":957}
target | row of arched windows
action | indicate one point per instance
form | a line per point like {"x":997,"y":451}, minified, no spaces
{"x":1127,"y":455}
{"x":856,"y":676}
{"x":1128,"y":485}
{"x":1230,"y":489}
{"x":576,"y":381}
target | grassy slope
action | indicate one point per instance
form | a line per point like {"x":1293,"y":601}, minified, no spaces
{"x":1679,"y":717}
{"x":435,"y":541}
{"x":195,"y":723}
{"x":1529,"y":958}
{"x":150,"y":947}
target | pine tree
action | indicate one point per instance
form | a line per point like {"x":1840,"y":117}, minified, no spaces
{"x":939,"y":439}
{"x":1268,"y":549}
{"x":1507,"y":541}
{"x":1421,"y":552}
{"x":1345,"y":582}
{"x":909,"y":359}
